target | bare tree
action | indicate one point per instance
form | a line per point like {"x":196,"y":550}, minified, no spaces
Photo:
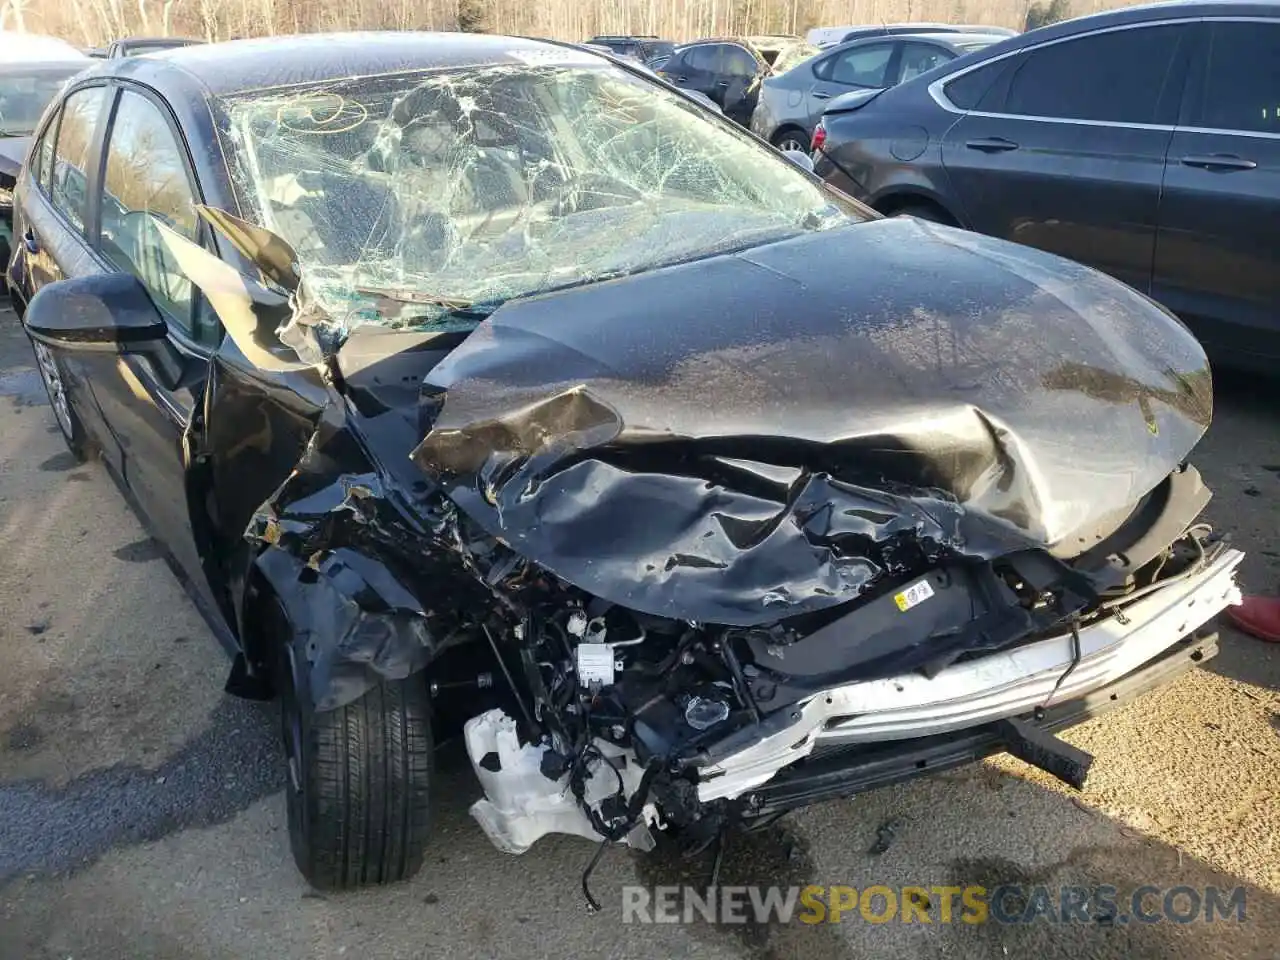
{"x":99,"y":21}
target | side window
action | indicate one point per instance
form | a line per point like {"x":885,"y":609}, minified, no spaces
{"x":705,"y":58}
{"x":863,"y":66}
{"x":42,"y":152}
{"x":739,"y":63}
{"x":146,"y":180}
{"x":1118,"y":77}
{"x":967,"y":91}
{"x":918,"y":58}
{"x":68,"y":184}
{"x":1242,"y":81}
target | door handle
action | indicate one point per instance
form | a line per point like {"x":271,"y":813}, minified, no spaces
{"x":29,"y":241}
{"x":679,"y":79}
{"x":722,"y":83}
{"x":820,"y":96}
{"x":1219,"y":161}
{"x":992,"y":145}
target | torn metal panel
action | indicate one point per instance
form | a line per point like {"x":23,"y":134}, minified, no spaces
{"x":816,"y":430}
{"x":366,"y":572}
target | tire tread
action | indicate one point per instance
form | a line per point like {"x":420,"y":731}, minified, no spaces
{"x":368,"y":784}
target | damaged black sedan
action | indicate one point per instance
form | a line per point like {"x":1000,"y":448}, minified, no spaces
{"x":489,"y":387}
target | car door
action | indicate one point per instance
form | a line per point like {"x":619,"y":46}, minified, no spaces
{"x":674,"y":68}
{"x":1218,"y":246}
{"x":703,"y":67}
{"x":739,"y":83}
{"x":692,"y":67}
{"x":1066,"y":150}
{"x":868,"y":66}
{"x":147,"y":177}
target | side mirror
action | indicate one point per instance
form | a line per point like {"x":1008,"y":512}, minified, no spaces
{"x":107,"y":311}
{"x":801,"y":160}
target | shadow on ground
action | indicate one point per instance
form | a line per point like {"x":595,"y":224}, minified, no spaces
{"x":234,"y":762}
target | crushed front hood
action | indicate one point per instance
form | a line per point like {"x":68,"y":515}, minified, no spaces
{"x":772,"y":432}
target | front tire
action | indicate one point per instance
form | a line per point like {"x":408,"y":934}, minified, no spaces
{"x":54,"y":377}
{"x":359,"y":780}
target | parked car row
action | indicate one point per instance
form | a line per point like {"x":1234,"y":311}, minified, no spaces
{"x":778,"y":85}
{"x":1144,"y":142}
{"x":646,"y":49}
{"x":482,"y":385}
{"x":791,"y":104}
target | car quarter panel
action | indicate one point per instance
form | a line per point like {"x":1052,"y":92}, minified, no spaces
{"x":888,"y":153}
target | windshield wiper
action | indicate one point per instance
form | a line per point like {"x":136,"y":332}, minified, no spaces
{"x":409,"y":295}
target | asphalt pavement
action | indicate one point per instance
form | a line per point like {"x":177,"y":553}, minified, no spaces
{"x":142,"y":814}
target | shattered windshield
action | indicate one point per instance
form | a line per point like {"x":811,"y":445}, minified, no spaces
{"x":427,"y":199}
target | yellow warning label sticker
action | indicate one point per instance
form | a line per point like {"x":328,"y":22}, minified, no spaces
{"x":915,"y":594}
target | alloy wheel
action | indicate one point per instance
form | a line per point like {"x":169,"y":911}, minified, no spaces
{"x":52,"y":376}
{"x":792,"y":142}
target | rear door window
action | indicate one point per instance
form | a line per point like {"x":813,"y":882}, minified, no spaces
{"x":861,"y":67}
{"x":69,"y":182}
{"x":1123,"y":76}
{"x":918,"y":58}
{"x":1242,"y":79}
{"x":705,"y":58}
{"x":738,"y":62}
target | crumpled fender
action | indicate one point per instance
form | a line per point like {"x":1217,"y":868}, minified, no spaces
{"x":350,"y":562}
{"x":353,"y":623}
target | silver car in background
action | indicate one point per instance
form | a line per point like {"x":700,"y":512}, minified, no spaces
{"x":791,"y":103}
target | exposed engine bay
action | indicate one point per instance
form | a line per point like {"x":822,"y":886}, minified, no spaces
{"x":630,"y":722}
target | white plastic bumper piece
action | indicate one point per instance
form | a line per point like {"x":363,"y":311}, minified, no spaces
{"x":994,"y":687}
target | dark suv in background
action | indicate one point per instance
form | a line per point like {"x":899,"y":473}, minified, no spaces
{"x":729,"y":70}
{"x":646,"y":49}
{"x":1145,"y":142}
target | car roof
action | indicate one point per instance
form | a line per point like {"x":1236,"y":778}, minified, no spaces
{"x":1141,"y":13}
{"x":1123,"y":16}
{"x":236,"y":66}
{"x":953,"y":40}
{"x":949,"y":39}
{"x":147,"y":41}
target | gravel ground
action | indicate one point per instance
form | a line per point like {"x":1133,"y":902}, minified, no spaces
{"x":141,"y":814}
